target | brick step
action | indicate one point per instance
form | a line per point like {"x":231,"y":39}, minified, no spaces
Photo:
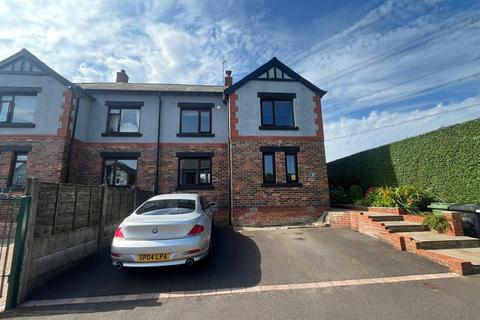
{"x":385,"y":217}
{"x":448,"y":244}
{"x":403,"y":226}
{"x":432,"y":240}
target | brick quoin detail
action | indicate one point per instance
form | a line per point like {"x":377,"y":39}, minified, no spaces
{"x":66,"y":117}
{"x":319,"y":119}
{"x":233,"y":115}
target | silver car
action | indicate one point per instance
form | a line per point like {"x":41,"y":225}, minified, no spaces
{"x":169,"y":229}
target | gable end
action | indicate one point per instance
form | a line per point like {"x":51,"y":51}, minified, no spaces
{"x":275,"y":70}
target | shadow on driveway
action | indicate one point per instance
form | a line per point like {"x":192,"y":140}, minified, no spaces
{"x":235,"y":263}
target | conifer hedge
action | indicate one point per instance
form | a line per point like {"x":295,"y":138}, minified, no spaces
{"x":445,"y":161}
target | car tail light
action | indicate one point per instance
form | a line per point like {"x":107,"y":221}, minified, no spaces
{"x":192,"y":251}
{"x":196,"y":230}
{"x":119,"y":233}
{"x":115,"y":255}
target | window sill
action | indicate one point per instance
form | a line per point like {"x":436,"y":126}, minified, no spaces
{"x":15,"y":188}
{"x":195,"y":187}
{"x":196,"y":135}
{"x":121,"y":134}
{"x":277,"y":128}
{"x":282,"y":185}
{"x":16,"y":125}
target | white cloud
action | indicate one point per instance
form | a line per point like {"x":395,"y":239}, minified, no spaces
{"x":372,"y":134}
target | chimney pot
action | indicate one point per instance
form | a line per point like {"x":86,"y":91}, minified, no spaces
{"x":122,"y":76}
{"x":228,"y":78}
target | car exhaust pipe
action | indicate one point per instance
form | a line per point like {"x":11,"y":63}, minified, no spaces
{"x":189,"y":262}
{"x":118,"y":265}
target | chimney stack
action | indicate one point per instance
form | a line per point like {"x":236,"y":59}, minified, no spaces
{"x":122,"y":76}
{"x":228,"y":78}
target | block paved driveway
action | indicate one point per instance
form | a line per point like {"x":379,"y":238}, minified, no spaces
{"x":247,"y":259}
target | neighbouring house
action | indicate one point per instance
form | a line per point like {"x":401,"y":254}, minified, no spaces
{"x":255,"y":146}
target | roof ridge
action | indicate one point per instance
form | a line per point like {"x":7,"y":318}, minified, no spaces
{"x":153,"y":83}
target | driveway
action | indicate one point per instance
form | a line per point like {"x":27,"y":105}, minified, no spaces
{"x":247,"y":259}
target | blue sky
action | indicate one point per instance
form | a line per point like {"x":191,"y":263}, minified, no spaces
{"x":392,"y":69}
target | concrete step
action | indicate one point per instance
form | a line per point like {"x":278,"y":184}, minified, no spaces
{"x":433,"y":241}
{"x":467,"y":254}
{"x":403,"y":226}
{"x":384,"y":217}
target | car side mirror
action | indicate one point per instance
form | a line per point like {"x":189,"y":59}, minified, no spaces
{"x":212,"y":204}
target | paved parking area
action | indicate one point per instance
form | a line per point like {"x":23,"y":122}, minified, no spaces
{"x":248,"y":259}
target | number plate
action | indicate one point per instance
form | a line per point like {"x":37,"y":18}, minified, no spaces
{"x":153,"y":257}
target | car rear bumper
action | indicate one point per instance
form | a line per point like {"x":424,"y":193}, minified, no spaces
{"x":126,"y":251}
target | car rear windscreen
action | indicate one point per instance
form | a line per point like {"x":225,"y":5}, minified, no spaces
{"x":167,"y":206}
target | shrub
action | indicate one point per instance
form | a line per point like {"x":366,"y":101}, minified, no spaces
{"x":437,"y":222}
{"x":381,"y":197}
{"x":355,"y":192}
{"x":339,"y":196}
{"x":412,"y":199}
{"x":407,"y":197}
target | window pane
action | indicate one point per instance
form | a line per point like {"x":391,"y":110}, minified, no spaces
{"x":283,"y":113}
{"x":205,"y":164}
{"x":113,"y":122}
{"x":167,"y":206}
{"x":205,"y":176}
{"x":268,"y":168}
{"x":126,"y":172}
{"x":24,"y":108}
{"x":267,"y":113}
{"x":291,"y":165}
{"x":188,"y":171}
{"x":109,"y":172}
{"x":130,"y":121}
{"x":18,"y":174}
{"x":205,"y":121}
{"x":4,"y":111}
{"x":189,"y":121}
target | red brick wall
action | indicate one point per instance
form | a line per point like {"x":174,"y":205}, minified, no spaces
{"x":87,"y":162}
{"x":87,"y":168}
{"x":257,"y":205}
{"x":220,"y":174}
{"x":45,"y":161}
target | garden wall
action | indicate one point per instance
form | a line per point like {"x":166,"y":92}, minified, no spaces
{"x":445,"y":161}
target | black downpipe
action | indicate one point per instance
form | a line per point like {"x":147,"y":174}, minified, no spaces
{"x":72,"y":136}
{"x":156,"y":189}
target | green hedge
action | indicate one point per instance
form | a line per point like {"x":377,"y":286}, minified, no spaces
{"x":446,"y":161}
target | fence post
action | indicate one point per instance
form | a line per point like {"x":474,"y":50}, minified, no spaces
{"x":103,"y":215}
{"x":135,"y":198}
{"x":33,"y":188}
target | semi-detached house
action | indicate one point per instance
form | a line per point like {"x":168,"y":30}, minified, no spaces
{"x":255,"y":146}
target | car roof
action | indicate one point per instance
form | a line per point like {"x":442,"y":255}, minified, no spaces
{"x":186,"y":196}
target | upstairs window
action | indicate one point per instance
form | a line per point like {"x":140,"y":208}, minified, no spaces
{"x":195,"y":119}
{"x":277,"y":111}
{"x":123,"y":118}
{"x":120,"y":172}
{"x":17,"y":108}
{"x":18,"y":170}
